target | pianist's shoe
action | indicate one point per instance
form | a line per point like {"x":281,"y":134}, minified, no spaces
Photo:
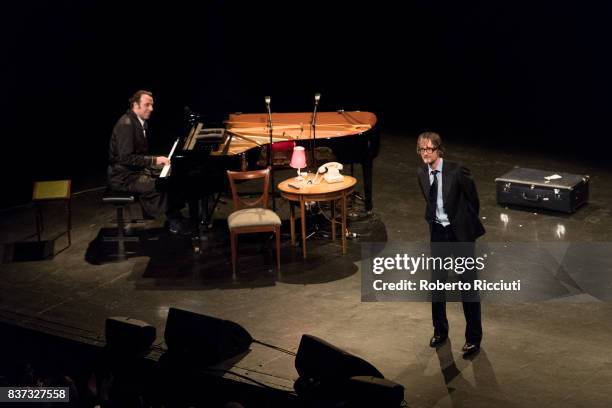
{"x":178,"y":226}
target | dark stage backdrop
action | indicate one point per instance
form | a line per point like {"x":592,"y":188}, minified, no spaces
{"x":516,"y":75}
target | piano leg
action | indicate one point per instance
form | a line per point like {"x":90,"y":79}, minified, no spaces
{"x":201,"y":213}
{"x":195,"y":210}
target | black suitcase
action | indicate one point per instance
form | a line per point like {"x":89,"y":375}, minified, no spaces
{"x":537,"y":189}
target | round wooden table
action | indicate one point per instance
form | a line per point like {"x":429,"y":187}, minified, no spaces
{"x":323,"y":191}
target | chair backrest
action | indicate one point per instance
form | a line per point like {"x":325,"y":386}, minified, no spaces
{"x":261,"y":201}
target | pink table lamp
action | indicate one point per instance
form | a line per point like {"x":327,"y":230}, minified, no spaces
{"x":298,"y":161}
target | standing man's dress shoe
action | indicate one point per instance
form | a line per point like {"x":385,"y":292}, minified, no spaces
{"x":437,"y":340}
{"x":470,"y":348}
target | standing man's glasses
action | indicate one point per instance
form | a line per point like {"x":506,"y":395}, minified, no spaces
{"x":427,"y":149}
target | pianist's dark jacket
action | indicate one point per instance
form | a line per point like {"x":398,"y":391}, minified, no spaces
{"x":128,"y":154}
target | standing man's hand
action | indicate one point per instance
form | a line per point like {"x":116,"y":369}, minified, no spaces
{"x":162,"y":160}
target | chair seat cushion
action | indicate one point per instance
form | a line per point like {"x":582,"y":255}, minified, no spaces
{"x":253,"y":217}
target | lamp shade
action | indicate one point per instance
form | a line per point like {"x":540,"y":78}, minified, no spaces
{"x":298,"y":159}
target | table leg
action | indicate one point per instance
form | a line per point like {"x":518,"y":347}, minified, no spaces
{"x":39,"y":221}
{"x":333,"y":219}
{"x":343,"y":231}
{"x":292,"y":221}
{"x":303,"y":221}
{"x":69,"y":208}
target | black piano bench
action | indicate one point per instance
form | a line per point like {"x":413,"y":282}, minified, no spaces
{"x":120,"y":199}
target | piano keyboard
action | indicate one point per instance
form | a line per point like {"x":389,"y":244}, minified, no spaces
{"x":166,"y":169}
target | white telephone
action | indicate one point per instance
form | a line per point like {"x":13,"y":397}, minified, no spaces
{"x":331,"y":172}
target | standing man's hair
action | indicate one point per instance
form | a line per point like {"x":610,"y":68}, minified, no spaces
{"x":435,"y":139}
{"x":136,"y":97}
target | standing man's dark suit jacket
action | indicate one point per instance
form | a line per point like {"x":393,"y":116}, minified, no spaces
{"x":128,"y":152}
{"x":460,"y":199}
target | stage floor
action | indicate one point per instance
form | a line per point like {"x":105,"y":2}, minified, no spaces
{"x":533,"y":354}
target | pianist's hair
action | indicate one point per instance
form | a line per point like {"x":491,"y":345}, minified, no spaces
{"x":136,"y":97}
{"x":435,"y":139}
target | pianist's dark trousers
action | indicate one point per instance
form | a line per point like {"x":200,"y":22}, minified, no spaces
{"x":155,"y":203}
{"x":444,"y":244}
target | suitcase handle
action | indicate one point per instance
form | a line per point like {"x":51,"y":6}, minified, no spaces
{"x":535,"y":199}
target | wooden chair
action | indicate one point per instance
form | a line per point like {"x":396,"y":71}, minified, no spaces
{"x":252,"y":216}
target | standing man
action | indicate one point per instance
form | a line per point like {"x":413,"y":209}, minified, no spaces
{"x":131,"y":168}
{"x":452,"y":214}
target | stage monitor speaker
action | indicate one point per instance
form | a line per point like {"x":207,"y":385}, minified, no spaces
{"x":207,"y":339}
{"x":319,"y":360}
{"x":367,"y":391}
{"x":127,"y":335}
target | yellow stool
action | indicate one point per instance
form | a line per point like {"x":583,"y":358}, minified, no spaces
{"x":52,"y":191}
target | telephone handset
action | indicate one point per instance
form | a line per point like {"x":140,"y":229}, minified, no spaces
{"x":331,"y":172}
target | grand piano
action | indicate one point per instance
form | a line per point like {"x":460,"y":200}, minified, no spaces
{"x":200,"y":161}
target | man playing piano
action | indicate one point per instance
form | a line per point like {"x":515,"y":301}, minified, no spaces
{"x":132,"y":169}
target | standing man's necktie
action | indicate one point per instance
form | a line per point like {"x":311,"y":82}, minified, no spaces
{"x":432,"y":200}
{"x":144,"y":129}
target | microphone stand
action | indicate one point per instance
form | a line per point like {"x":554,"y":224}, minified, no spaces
{"x":314,"y":131}
{"x":313,"y":126}
{"x":268,"y":99}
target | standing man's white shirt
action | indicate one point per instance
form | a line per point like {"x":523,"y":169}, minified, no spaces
{"x":441,"y":215}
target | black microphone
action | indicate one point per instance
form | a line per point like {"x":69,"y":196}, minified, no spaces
{"x":314,"y":112}
{"x":317,"y":97}
{"x":268,"y":99}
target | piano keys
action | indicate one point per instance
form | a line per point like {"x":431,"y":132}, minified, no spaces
{"x":166,"y":169}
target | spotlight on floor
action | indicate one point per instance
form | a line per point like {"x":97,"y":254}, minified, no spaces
{"x":329,"y":374}
{"x":204,"y":339}
{"x":125,"y":335}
